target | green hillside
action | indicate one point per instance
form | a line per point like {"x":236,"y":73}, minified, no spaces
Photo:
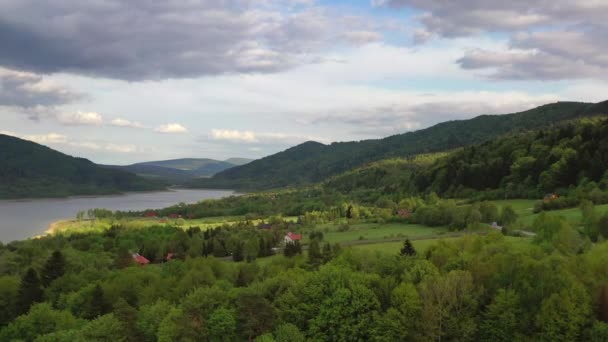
{"x":313,"y":162}
{"x":28,"y":169}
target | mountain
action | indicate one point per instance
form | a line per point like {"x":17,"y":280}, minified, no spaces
{"x":238,"y":161}
{"x":314,"y":162}
{"x":28,"y":169}
{"x":181,"y":170}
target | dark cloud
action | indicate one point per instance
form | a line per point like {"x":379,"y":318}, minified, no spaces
{"x":550,"y":39}
{"x":139,"y":39}
{"x":31,"y":92}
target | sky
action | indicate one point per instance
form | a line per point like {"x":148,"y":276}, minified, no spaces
{"x":120,"y":82}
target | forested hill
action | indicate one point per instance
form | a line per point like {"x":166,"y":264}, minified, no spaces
{"x":28,"y":169}
{"x":314,"y":162}
{"x":181,"y":170}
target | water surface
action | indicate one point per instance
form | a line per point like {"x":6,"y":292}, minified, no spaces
{"x":20,"y":219}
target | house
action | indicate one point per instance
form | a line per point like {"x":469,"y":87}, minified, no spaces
{"x":550,"y":197}
{"x":150,"y":214}
{"x":175,"y":216}
{"x":265,"y":226}
{"x":496,"y":226}
{"x":292,"y":237}
{"x":169,"y":256}
{"x":140,"y":259}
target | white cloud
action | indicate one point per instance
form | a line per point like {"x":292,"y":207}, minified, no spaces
{"x":128,"y":148}
{"x":249,"y":137}
{"x":120,"y":122}
{"x":171,"y":128}
{"x":80,"y":119}
{"x":50,"y":138}
{"x":233,"y":135}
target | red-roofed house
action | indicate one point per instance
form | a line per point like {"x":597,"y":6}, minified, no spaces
{"x":169,"y":256}
{"x":292,"y":237}
{"x":140,"y":259}
{"x":150,"y":214}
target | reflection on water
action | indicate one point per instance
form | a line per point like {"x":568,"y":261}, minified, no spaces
{"x":20,"y":219}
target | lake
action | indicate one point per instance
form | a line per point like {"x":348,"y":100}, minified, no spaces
{"x":21,"y":219}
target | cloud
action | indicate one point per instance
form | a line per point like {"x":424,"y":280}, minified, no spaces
{"x":171,"y":128}
{"x":32,"y":94}
{"x":80,"y":119}
{"x":549,"y":40}
{"x":120,"y":122}
{"x":63,"y":140}
{"x":261,"y":138}
{"x":400,"y":117}
{"x":50,"y":138}
{"x":141,"y":40}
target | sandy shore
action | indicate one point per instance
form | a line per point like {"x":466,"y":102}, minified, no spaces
{"x":52,"y":228}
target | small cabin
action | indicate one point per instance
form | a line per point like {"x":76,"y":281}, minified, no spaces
{"x":404,"y":213}
{"x":140,"y":259}
{"x":292,"y":237}
{"x":496,"y":226}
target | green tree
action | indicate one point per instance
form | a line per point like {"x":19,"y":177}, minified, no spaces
{"x":508,"y":216}
{"x":449,"y":307}
{"x":564,"y":314}
{"x":222,"y":325}
{"x":53,"y":269}
{"x":106,"y":328}
{"x":346,"y":315}
{"x":408,"y":249}
{"x":255,"y":315}
{"x":315,"y":256}
{"x":30,"y":291}
{"x":501,"y":318}
{"x":40,"y":320}
{"x":97,"y":304}
{"x":9,"y":287}
{"x":288,"y":332}
{"x":251,"y":249}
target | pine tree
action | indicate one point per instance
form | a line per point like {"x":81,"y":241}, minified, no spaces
{"x":327,"y":253}
{"x":314,"y":253}
{"x":97,"y":303}
{"x":238,"y":253}
{"x":30,"y":291}
{"x":408,"y":248}
{"x":53,"y":269}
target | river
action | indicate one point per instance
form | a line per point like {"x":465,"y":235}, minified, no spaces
{"x":21,"y":219}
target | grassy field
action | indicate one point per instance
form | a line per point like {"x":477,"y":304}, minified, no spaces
{"x":422,"y":245}
{"x":375,"y":231}
{"x":524,"y":209}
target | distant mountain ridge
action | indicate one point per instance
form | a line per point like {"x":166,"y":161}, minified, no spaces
{"x":312,"y":162}
{"x":28,"y":169}
{"x":181,"y":170}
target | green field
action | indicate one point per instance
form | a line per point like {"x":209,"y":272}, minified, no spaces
{"x":376,"y":231}
{"x":422,"y":245}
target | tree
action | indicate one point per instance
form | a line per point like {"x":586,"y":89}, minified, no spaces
{"x":501,"y":319}
{"x":40,"y":320}
{"x":30,"y":291}
{"x":288,"y":332}
{"x":53,"y":269}
{"x":256,"y":315}
{"x":315,"y":257}
{"x":564,"y":314}
{"x":97,"y":304}
{"x":251,"y":249}
{"x":327,"y":252}
{"x":105,"y":328}
{"x":408,"y":249}
{"x":237,"y":255}
{"x":508,"y":216}
{"x":292,"y":248}
{"x":489,"y":212}
{"x":449,"y":306}
{"x":222,"y":325}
